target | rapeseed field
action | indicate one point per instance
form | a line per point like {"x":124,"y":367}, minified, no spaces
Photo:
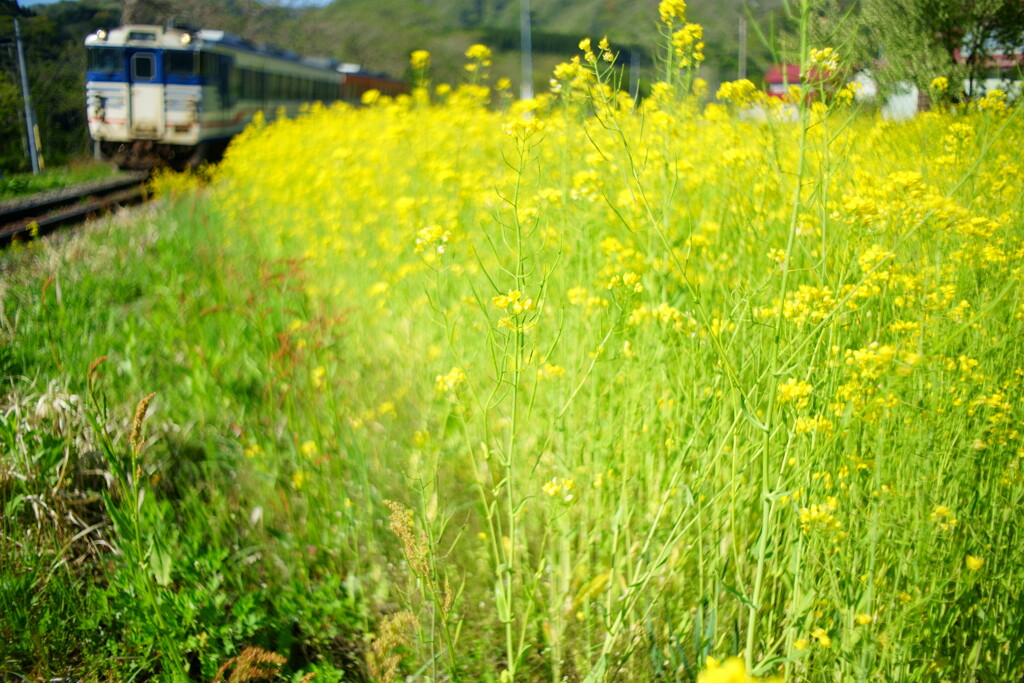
{"x":644,"y":384}
{"x":582,"y":388}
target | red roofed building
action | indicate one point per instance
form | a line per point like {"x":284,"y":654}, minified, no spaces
{"x":780,"y":76}
{"x":1001,"y":63}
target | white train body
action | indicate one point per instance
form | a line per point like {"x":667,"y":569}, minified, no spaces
{"x":171,"y":95}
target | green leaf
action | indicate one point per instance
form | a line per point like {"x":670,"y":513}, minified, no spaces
{"x":160,"y":562}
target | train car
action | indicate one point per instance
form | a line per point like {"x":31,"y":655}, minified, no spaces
{"x":355,"y":81}
{"x":176,"y":96}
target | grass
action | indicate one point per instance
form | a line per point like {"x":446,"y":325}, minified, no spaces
{"x":22,"y":184}
{"x":103,"y":297}
{"x":562,"y":391}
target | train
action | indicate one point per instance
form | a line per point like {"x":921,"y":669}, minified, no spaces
{"x":175,"y":96}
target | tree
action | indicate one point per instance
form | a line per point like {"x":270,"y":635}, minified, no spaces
{"x":144,"y":11}
{"x":13,"y":145}
{"x":12,"y":132}
{"x":922,"y":39}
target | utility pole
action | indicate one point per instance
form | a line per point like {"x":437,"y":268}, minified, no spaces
{"x":741,"y":68}
{"x":30,"y":119}
{"x":526,"y":46}
{"x":634,"y":75}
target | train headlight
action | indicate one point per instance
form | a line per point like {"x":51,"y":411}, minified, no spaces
{"x":101,"y":34}
{"x":185,"y":38}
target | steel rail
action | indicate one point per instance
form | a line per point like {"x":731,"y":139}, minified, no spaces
{"x":33,"y":217}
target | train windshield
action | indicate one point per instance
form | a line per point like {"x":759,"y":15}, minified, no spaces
{"x":180,"y":63}
{"x":107,"y":61}
{"x":144,"y":67}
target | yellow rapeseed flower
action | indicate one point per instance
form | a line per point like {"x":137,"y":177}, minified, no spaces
{"x":732,"y":670}
{"x":795,"y":391}
{"x":450,"y":381}
{"x":689,"y":45}
{"x":825,"y":58}
{"x":994,"y":101}
{"x":479,"y":52}
{"x":671,"y":11}
{"x":419,"y":59}
{"x":820,"y":635}
{"x":741,"y":93}
{"x":942,"y":515}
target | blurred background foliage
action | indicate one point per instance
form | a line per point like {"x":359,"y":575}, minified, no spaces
{"x":899,"y":41}
{"x":377,"y":34}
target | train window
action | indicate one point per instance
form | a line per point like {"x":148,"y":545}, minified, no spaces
{"x":180,"y":63}
{"x":250,"y":87}
{"x":143,"y":66}
{"x":208,"y":65}
{"x":106,"y":60}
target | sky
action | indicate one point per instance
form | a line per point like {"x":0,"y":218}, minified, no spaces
{"x":288,"y":3}
{"x":291,"y":3}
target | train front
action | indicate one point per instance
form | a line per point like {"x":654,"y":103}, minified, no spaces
{"x":143,"y":93}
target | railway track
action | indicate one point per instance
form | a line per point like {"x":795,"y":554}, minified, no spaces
{"x":30,"y":217}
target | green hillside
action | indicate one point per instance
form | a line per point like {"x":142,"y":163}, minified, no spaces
{"x":378,"y":34}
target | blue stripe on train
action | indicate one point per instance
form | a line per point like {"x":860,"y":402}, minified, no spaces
{"x":106,"y":77}
{"x":183,"y":80}
{"x":122,"y":77}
